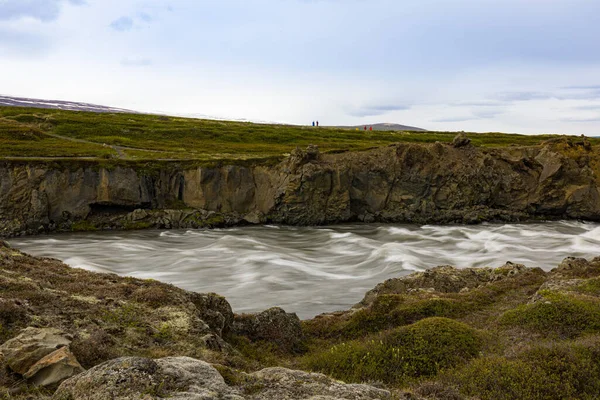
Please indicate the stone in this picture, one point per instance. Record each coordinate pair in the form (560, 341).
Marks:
(131, 378)
(32, 345)
(214, 310)
(185, 378)
(54, 368)
(254, 218)
(461, 140)
(285, 384)
(273, 325)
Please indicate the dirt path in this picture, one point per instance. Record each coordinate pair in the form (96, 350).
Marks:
(120, 150)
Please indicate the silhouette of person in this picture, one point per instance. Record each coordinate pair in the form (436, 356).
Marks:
(371, 128)
(313, 123)
(365, 127)
(317, 124)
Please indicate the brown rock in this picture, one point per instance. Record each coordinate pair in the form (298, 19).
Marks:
(273, 325)
(33, 344)
(54, 368)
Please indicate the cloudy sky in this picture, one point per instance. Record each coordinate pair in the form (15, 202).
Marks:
(529, 66)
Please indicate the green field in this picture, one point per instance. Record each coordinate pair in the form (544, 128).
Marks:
(45, 133)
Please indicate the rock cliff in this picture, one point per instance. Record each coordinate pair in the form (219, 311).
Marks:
(421, 183)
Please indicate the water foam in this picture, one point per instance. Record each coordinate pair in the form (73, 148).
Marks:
(311, 270)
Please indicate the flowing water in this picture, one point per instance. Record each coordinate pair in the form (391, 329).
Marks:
(311, 270)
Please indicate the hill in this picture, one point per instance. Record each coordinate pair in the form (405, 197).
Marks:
(386, 127)
(58, 104)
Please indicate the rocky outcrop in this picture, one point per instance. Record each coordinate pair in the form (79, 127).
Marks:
(187, 378)
(445, 279)
(432, 183)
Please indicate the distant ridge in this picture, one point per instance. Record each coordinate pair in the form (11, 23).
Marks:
(385, 127)
(59, 105)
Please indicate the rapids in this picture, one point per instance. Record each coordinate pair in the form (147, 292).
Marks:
(311, 270)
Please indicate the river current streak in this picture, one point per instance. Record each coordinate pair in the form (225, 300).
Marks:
(311, 270)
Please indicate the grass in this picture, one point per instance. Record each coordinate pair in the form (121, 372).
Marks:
(26, 132)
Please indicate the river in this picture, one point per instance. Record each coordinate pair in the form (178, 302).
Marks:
(311, 270)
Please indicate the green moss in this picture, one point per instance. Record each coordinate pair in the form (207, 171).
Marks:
(164, 333)
(126, 316)
(137, 225)
(556, 371)
(590, 286)
(83, 226)
(420, 349)
(390, 311)
(557, 314)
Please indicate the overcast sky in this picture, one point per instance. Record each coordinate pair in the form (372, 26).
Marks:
(528, 66)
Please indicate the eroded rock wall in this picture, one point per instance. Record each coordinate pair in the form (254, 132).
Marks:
(423, 183)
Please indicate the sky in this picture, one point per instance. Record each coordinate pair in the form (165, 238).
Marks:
(526, 66)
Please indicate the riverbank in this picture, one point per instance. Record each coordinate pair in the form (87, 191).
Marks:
(403, 183)
(511, 332)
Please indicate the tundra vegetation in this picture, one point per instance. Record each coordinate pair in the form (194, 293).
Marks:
(43, 133)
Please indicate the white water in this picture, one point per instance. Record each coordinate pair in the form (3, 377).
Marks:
(311, 270)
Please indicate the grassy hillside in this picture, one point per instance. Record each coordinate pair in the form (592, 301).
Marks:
(30, 132)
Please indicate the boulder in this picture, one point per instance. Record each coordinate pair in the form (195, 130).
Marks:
(461, 140)
(214, 310)
(285, 384)
(185, 378)
(131, 378)
(32, 345)
(54, 368)
(273, 325)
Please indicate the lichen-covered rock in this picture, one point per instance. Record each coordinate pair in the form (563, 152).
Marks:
(285, 384)
(185, 378)
(131, 378)
(273, 325)
(443, 279)
(33, 344)
(572, 267)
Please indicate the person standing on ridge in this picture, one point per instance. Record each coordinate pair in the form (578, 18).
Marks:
(313, 123)
(365, 127)
(371, 129)
(317, 124)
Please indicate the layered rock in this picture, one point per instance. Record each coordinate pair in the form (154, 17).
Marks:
(41, 356)
(401, 183)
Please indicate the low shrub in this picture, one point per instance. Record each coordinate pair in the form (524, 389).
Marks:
(546, 372)
(557, 314)
(421, 349)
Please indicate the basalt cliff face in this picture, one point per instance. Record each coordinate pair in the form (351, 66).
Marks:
(421, 183)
